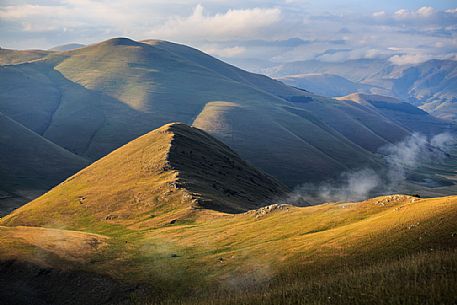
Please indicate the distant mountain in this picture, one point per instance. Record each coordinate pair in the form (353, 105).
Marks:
(403, 113)
(68, 47)
(327, 84)
(430, 85)
(95, 99)
(30, 164)
(354, 70)
(12, 57)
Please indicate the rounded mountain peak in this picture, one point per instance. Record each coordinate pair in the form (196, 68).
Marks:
(120, 41)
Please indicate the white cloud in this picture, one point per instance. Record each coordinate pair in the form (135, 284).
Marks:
(379, 14)
(234, 24)
(423, 12)
(222, 27)
(362, 53)
(76, 14)
(13, 12)
(402, 13)
(225, 52)
(408, 59)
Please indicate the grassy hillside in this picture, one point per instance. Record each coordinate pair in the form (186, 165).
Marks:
(326, 84)
(12, 57)
(354, 70)
(149, 224)
(403, 113)
(30, 164)
(433, 82)
(349, 252)
(92, 100)
(67, 47)
(429, 85)
(175, 169)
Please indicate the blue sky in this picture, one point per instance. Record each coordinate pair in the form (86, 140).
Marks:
(403, 31)
(372, 5)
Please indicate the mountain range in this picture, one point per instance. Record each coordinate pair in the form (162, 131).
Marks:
(148, 172)
(93, 99)
(429, 85)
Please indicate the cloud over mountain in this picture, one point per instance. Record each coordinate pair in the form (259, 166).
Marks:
(245, 23)
(405, 31)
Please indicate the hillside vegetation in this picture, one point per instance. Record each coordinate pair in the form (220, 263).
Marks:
(94, 99)
(30, 164)
(353, 252)
(149, 225)
(430, 85)
(403, 113)
(12, 57)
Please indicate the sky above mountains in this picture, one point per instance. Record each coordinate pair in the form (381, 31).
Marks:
(272, 30)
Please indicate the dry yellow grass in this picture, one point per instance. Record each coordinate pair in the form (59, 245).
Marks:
(146, 216)
(35, 244)
(230, 252)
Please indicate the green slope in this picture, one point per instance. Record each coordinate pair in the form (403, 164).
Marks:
(404, 114)
(97, 98)
(148, 218)
(30, 164)
(175, 169)
(12, 57)
(430, 85)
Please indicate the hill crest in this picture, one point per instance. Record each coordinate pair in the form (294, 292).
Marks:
(171, 172)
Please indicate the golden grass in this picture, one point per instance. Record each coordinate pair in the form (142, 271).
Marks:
(35, 244)
(289, 256)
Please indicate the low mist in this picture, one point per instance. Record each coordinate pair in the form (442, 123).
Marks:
(400, 159)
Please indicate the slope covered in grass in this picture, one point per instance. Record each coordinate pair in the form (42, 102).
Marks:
(176, 217)
(175, 169)
(94, 99)
(30, 164)
(325, 84)
(67, 47)
(12, 57)
(406, 115)
(352, 252)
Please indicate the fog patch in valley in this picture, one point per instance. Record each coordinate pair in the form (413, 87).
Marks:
(400, 159)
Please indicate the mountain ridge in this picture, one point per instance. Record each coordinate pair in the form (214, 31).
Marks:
(174, 169)
(95, 99)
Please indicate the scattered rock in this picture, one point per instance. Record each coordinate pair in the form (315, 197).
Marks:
(382, 201)
(174, 255)
(270, 208)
